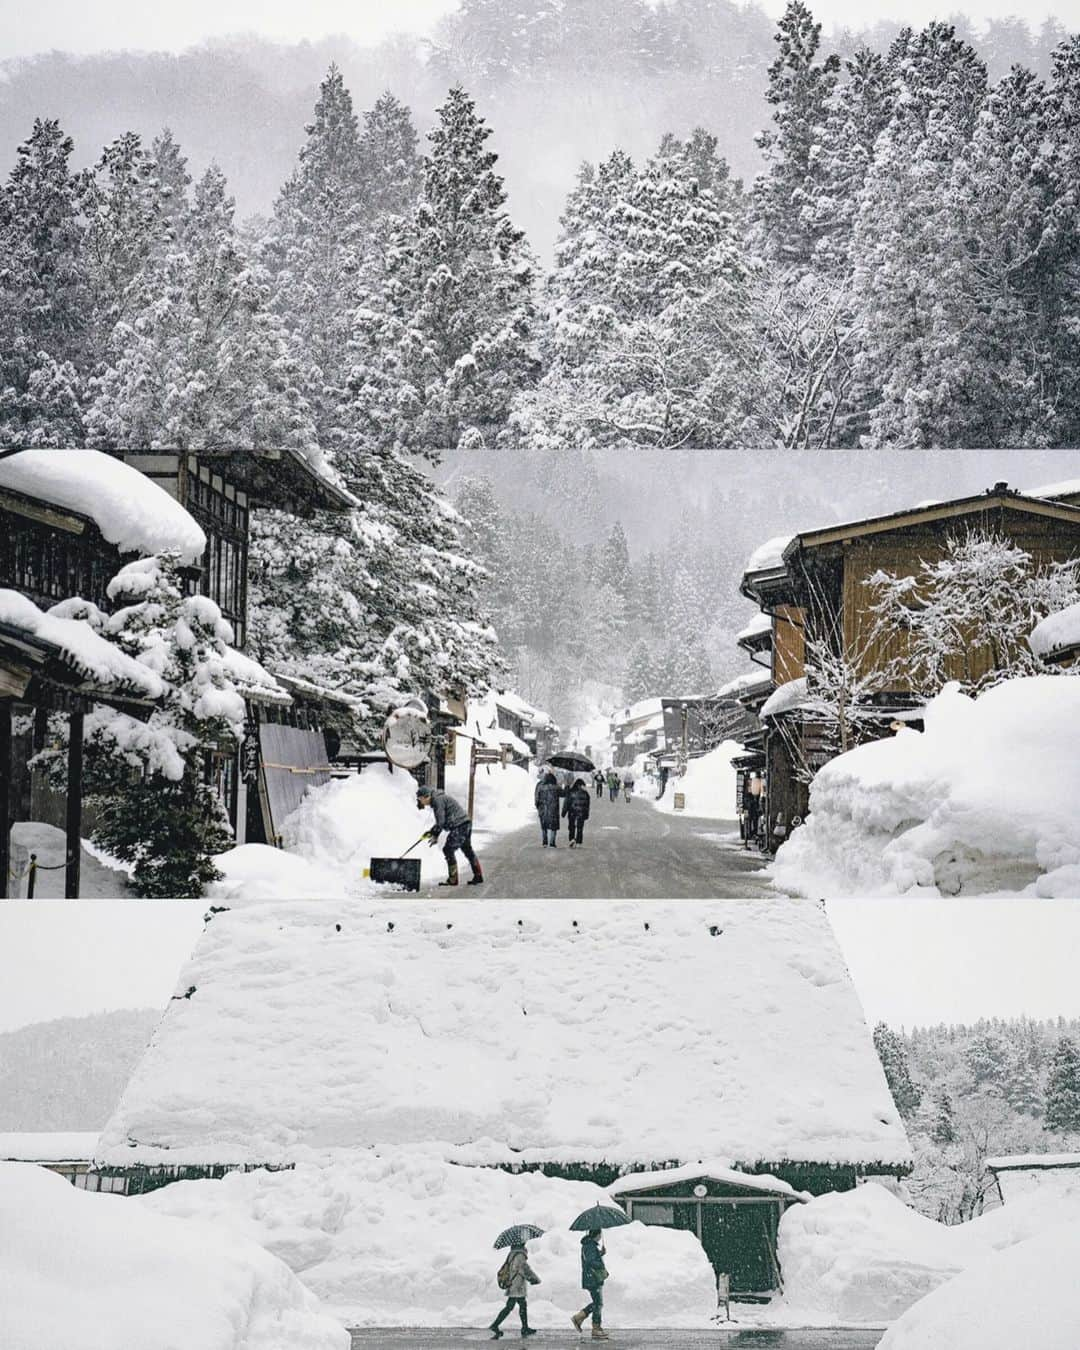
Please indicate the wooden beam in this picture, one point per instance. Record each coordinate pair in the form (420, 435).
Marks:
(74, 806)
(5, 796)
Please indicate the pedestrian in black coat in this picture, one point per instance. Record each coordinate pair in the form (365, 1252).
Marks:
(576, 807)
(598, 783)
(546, 797)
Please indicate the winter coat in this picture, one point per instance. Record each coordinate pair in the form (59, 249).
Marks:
(578, 803)
(546, 798)
(593, 1273)
(521, 1275)
(448, 811)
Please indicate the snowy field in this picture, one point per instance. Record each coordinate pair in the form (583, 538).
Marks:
(982, 802)
(82, 1271)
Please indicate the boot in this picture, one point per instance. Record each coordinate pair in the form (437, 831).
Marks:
(496, 1334)
(578, 1319)
(452, 878)
(528, 1331)
(477, 878)
(599, 1334)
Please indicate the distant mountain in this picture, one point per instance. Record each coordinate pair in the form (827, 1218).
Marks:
(69, 1074)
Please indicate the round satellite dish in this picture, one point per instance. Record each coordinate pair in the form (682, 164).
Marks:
(407, 736)
(700, 1191)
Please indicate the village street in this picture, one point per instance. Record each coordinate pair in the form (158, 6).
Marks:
(631, 851)
(827, 1338)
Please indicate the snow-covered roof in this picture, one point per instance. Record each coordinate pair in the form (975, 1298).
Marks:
(1015, 1162)
(1057, 634)
(769, 555)
(644, 709)
(646, 729)
(308, 689)
(77, 646)
(786, 698)
(553, 1030)
(129, 509)
(515, 704)
(743, 684)
(759, 624)
(252, 680)
(705, 1171)
(53, 1146)
(1069, 487)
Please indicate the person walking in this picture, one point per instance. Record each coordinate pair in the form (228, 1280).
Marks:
(546, 798)
(576, 807)
(593, 1275)
(613, 784)
(515, 1276)
(598, 782)
(628, 784)
(452, 817)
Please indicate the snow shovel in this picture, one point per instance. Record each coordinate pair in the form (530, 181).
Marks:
(401, 871)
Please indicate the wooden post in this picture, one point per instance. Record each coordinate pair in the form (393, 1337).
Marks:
(472, 777)
(74, 806)
(5, 796)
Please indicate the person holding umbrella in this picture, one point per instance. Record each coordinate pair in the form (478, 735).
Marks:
(546, 798)
(593, 1270)
(515, 1276)
(576, 807)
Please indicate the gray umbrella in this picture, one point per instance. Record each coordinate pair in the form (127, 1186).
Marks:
(600, 1216)
(572, 760)
(518, 1235)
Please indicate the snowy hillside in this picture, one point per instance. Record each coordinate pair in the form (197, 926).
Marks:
(543, 1031)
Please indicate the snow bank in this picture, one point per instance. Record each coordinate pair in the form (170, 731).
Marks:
(982, 801)
(863, 1256)
(503, 801)
(1027, 1295)
(708, 785)
(47, 1146)
(98, 1272)
(129, 509)
(406, 1240)
(546, 1031)
(86, 651)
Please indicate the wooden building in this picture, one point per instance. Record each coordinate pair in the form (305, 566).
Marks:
(815, 587)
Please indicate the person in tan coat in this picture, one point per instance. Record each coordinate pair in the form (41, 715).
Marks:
(519, 1276)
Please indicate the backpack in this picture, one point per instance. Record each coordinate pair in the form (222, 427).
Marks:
(505, 1274)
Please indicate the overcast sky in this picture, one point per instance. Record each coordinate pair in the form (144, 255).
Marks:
(913, 962)
(75, 25)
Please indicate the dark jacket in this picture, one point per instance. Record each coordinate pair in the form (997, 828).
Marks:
(592, 1263)
(578, 802)
(448, 811)
(546, 798)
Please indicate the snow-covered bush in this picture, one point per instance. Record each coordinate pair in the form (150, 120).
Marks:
(982, 800)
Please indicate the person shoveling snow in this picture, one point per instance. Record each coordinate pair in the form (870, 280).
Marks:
(452, 817)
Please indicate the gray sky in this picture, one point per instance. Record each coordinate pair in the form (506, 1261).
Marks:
(74, 25)
(913, 961)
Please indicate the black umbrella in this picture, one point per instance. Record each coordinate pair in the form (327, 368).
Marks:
(600, 1216)
(571, 760)
(518, 1235)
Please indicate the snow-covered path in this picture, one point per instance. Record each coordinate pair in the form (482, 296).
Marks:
(730, 1334)
(631, 852)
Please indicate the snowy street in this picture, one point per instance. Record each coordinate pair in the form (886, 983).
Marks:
(432, 1338)
(630, 852)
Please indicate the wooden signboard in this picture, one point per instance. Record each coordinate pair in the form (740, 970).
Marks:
(680, 801)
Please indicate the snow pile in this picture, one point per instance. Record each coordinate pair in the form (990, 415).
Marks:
(753, 681)
(983, 800)
(406, 1240)
(549, 1031)
(79, 646)
(97, 1272)
(129, 509)
(708, 785)
(757, 627)
(503, 796)
(785, 698)
(1057, 633)
(769, 556)
(1027, 1295)
(47, 1146)
(863, 1256)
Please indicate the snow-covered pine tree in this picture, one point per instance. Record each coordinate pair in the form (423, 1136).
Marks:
(442, 338)
(800, 90)
(44, 301)
(155, 804)
(943, 1129)
(911, 266)
(893, 1056)
(1062, 1111)
(640, 680)
(390, 166)
(314, 249)
(202, 361)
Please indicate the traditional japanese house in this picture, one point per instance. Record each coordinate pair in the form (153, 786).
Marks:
(721, 1038)
(815, 587)
(1019, 1175)
(66, 1153)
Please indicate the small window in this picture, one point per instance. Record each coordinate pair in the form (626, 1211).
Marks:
(648, 1211)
